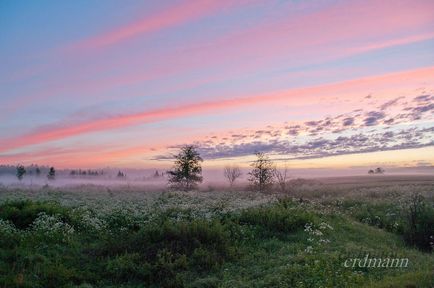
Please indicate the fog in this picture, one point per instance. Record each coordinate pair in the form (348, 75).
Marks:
(212, 177)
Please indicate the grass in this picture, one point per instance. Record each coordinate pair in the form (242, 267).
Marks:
(55, 238)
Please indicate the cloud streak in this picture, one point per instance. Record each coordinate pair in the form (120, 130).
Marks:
(310, 94)
(186, 11)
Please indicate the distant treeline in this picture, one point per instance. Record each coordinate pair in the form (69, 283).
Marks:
(30, 170)
(89, 172)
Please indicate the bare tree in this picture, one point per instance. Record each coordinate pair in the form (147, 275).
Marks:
(282, 178)
(262, 174)
(232, 173)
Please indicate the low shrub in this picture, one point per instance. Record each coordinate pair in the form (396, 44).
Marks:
(283, 217)
(419, 225)
(23, 213)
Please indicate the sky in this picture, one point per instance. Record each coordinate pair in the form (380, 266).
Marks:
(314, 84)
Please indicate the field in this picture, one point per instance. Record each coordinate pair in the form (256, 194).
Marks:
(141, 236)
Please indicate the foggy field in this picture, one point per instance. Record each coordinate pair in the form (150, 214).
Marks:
(144, 235)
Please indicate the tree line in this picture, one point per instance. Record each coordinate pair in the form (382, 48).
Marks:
(21, 171)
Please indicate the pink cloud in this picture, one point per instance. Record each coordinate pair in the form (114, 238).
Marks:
(347, 28)
(293, 97)
(184, 12)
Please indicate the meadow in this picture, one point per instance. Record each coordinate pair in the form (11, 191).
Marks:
(145, 236)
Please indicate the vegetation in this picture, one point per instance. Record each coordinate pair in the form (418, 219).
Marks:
(282, 179)
(187, 171)
(20, 172)
(263, 172)
(213, 239)
(232, 173)
(51, 174)
(121, 175)
(377, 170)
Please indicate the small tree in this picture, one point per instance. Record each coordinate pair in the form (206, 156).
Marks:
(51, 174)
(379, 170)
(20, 172)
(187, 171)
(282, 178)
(371, 171)
(38, 171)
(262, 174)
(232, 173)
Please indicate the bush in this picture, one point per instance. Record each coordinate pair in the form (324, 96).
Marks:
(22, 213)
(161, 251)
(283, 217)
(419, 230)
(382, 215)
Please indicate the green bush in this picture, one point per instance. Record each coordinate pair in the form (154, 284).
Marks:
(419, 226)
(22, 213)
(382, 215)
(283, 217)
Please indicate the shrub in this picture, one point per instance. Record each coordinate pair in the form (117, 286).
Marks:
(419, 230)
(24, 212)
(281, 217)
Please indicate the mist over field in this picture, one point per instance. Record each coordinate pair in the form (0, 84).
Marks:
(212, 177)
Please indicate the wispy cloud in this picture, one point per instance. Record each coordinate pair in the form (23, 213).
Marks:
(349, 133)
(184, 12)
(66, 129)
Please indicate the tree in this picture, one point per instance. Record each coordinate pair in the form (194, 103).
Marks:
(51, 173)
(38, 171)
(371, 171)
(20, 172)
(282, 178)
(232, 173)
(262, 174)
(187, 170)
(121, 174)
(379, 170)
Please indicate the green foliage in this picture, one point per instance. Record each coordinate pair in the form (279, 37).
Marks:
(283, 217)
(419, 228)
(44, 244)
(23, 213)
(413, 219)
(187, 171)
(383, 215)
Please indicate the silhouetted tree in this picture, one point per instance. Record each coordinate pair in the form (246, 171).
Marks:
(187, 171)
(38, 171)
(51, 174)
(262, 174)
(371, 171)
(232, 173)
(282, 179)
(121, 174)
(20, 172)
(379, 170)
